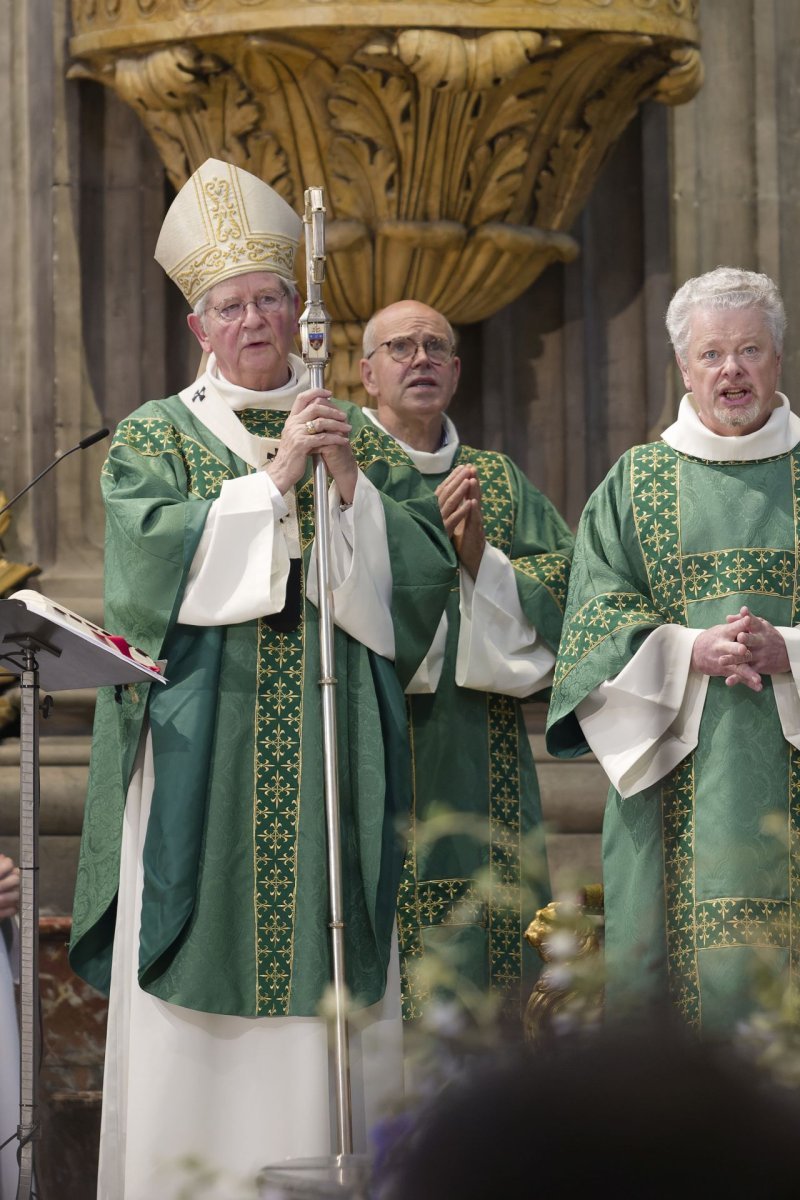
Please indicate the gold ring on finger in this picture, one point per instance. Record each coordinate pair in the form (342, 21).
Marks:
(311, 426)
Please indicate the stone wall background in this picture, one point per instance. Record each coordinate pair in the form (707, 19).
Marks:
(564, 379)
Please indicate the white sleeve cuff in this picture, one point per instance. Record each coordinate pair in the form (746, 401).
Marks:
(645, 721)
(360, 570)
(786, 687)
(427, 675)
(241, 564)
(279, 505)
(498, 648)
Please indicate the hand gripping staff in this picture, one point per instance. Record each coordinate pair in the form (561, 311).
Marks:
(314, 329)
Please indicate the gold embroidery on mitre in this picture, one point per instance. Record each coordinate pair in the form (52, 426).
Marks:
(226, 222)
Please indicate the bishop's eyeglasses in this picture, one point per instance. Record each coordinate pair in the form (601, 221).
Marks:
(403, 349)
(266, 303)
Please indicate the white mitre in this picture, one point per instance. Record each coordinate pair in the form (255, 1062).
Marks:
(225, 222)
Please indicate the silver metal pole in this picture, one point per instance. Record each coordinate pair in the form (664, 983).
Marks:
(314, 330)
(28, 1131)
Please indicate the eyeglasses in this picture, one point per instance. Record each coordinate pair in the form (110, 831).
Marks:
(234, 310)
(404, 349)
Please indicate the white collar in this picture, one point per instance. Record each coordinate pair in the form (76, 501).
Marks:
(778, 435)
(427, 462)
(214, 401)
(280, 399)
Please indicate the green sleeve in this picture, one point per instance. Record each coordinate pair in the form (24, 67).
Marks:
(541, 554)
(609, 608)
(153, 527)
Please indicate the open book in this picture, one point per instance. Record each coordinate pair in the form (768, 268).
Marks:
(104, 658)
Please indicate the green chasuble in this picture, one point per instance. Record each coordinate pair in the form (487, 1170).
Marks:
(700, 869)
(235, 899)
(472, 757)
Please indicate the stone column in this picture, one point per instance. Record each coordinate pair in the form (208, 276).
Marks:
(578, 369)
(86, 314)
(47, 406)
(736, 157)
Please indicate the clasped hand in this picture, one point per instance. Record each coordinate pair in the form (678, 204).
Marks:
(459, 497)
(314, 426)
(744, 649)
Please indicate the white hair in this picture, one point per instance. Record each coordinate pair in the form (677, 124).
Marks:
(725, 288)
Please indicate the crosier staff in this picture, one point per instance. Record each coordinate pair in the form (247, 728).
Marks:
(314, 329)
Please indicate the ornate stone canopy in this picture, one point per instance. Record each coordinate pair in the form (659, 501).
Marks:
(456, 141)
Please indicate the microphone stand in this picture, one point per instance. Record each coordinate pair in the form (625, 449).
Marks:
(24, 659)
(29, 1130)
(89, 440)
(41, 645)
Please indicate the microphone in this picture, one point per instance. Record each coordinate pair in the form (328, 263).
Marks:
(89, 440)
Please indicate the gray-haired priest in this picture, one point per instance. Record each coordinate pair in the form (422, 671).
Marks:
(202, 896)
(679, 666)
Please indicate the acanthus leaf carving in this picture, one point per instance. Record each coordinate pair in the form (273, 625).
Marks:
(512, 112)
(451, 158)
(217, 127)
(494, 172)
(360, 177)
(368, 110)
(468, 168)
(355, 111)
(292, 82)
(192, 104)
(172, 79)
(493, 178)
(448, 62)
(683, 80)
(268, 160)
(605, 82)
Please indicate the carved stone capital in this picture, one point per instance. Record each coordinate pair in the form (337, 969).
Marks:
(118, 24)
(454, 154)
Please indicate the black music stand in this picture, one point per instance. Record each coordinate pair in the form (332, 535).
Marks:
(74, 654)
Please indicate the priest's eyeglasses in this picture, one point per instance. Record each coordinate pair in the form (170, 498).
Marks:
(267, 303)
(403, 349)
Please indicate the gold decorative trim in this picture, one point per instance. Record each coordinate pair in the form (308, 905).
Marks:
(505, 874)
(153, 437)
(596, 621)
(655, 488)
(276, 812)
